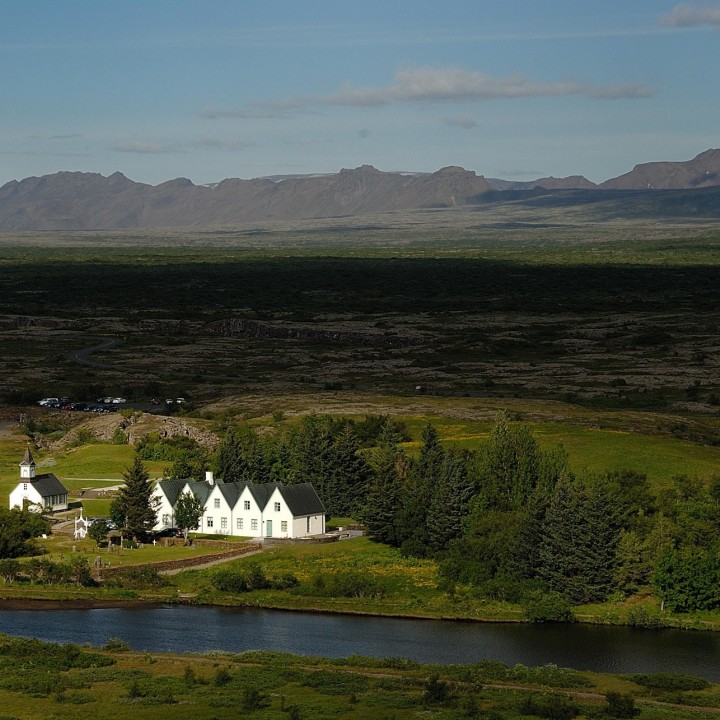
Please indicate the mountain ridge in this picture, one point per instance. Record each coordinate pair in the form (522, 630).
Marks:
(69, 200)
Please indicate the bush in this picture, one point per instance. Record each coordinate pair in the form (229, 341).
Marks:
(548, 606)
(136, 578)
(347, 583)
(119, 437)
(436, 691)
(641, 617)
(553, 707)
(117, 645)
(670, 681)
(620, 705)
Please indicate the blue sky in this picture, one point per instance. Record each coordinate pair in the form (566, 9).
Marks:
(209, 89)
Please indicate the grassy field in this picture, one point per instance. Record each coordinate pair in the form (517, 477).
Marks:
(41, 680)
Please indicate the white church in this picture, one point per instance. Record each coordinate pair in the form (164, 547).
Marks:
(39, 493)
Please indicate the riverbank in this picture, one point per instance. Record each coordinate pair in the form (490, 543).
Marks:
(377, 581)
(116, 681)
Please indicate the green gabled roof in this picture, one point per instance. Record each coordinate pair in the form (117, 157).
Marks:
(172, 489)
(302, 499)
(262, 493)
(231, 491)
(200, 489)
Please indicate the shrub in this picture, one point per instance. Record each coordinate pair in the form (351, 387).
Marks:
(253, 699)
(119, 437)
(548, 606)
(641, 617)
(670, 681)
(620, 705)
(436, 691)
(230, 581)
(117, 645)
(347, 583)
(136, 578)
(553, 707)
(222, 677)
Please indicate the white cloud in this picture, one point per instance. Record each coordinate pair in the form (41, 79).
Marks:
(689, 15)
(434, 85)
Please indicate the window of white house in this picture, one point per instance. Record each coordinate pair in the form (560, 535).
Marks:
(166, 520)
(239, 523)
(277, 507)
(217, 502)
(246, 504)
(223, 523)
(24, 486)
(283, 526)
(209, 522)
(253, 524)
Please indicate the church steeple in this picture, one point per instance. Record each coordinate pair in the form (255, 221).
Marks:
(27, 466)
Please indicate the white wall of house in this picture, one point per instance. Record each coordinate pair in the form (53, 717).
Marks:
(165, 513)
(277, 518)
(247, 516)
(25, 491)
(308, 525)
(217, 518)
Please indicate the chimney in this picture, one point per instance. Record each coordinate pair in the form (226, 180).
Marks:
(209, 479)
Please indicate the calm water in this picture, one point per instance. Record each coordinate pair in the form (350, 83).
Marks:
(189, 629)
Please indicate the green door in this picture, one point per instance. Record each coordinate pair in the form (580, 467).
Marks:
(268, 528)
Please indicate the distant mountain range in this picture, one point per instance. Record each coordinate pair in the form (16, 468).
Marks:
(89, 201)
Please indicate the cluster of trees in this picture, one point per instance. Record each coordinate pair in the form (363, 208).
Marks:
(320, 449)
(513, 519)
(18, 528)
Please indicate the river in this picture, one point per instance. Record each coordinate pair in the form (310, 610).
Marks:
(181, 629)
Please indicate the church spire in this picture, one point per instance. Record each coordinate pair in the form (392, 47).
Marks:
(27, 466)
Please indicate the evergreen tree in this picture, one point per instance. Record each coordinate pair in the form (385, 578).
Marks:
(510, 465)
(134, 507)
(240, 457)
(450, 503)
(379, 513)
(418, 494)
(634, 564)
(577, 554)
(348, 475)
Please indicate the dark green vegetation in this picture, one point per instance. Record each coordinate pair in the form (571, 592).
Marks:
(42, 680)
(614, 317)
(18, 528)
(510, 520)
(133, 510)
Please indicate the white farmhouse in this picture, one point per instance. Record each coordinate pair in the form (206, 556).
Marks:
(242, 509)
(38, 492)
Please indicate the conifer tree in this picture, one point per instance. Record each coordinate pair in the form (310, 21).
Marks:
(379, 513)
(134, 507)
(450, 503)
(510, 465)
(578, 550)
(418, 494)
